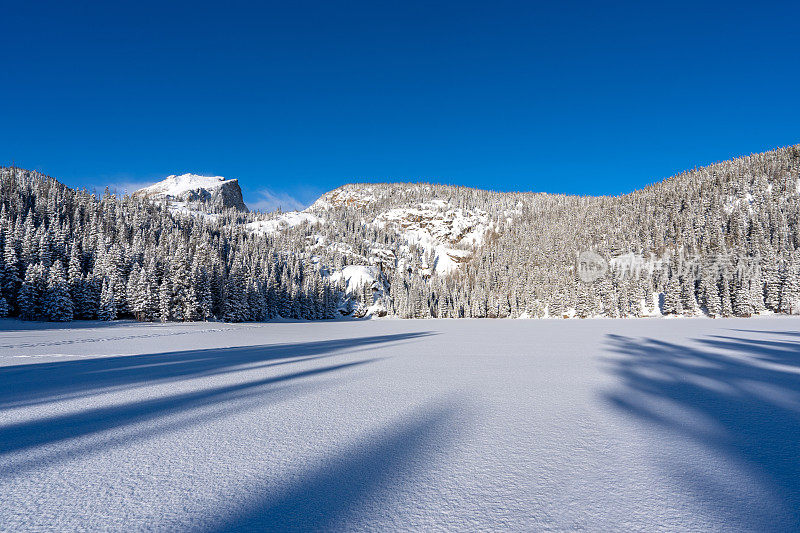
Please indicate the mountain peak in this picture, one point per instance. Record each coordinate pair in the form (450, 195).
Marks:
(193, 188)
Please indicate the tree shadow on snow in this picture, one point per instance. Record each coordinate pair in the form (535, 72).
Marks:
(15, 324)
(738, 398)
(48, 382)
(355, 483)
(30, 384)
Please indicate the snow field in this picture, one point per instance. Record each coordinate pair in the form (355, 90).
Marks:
(467, 425)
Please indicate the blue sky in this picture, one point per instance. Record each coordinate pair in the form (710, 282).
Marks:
(296, 98)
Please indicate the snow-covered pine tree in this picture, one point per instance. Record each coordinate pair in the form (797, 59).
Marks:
(672, 298)
(742, 305)
(688, 295)
(108, 302)
(57, 302)
(10, 280)
(29, 296)
(725, 295)
(710, 291)
(790, 288)
(235, 297)
(165, 303)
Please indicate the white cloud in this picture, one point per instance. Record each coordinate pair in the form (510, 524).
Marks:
(268, 201)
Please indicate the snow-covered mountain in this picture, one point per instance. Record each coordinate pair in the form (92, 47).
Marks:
(446, 233)
(192, 189)
(720, 240)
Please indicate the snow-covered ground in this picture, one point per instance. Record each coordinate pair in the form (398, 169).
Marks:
(385, 425)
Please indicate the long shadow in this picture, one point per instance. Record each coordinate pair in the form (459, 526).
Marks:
(354, 482)
(24, 435)
(730, 397)
(30, 384)
(15, 324)
(781, 352)
(143, 419)
(792, 333)
(25, 385)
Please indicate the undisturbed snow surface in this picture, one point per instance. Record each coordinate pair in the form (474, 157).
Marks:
(389, 425)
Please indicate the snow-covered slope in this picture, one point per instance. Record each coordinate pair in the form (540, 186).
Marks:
(444, 234)
(283, 221)
(352, 196)
(215, 191)
(448, 233)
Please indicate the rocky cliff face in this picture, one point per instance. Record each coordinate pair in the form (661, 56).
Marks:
(211, 191)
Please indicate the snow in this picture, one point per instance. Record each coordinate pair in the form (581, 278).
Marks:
(448, 233)
(354, 196)
(355, 276)
(176, 185)
(283, 221)
(386, 425)
(438, 230)
(184, 209)
(733, 203)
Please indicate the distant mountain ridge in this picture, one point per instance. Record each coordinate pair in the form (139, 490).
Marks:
(721, 240)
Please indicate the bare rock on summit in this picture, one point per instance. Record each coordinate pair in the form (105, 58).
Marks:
(213, 191)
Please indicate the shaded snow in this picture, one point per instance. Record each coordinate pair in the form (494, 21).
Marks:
(467, 425)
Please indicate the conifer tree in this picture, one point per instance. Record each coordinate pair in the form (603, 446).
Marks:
(57, 302)
(165, 305)
(725, 296)
(29, 296)
(108, 302)
(672, 298)
(790, 289)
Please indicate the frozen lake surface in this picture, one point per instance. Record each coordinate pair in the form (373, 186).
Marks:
(598, 425)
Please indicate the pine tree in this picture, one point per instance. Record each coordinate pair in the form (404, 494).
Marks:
(688, 298)
(29, 296)
(725, 296)
(205, 301)
(672, 298)
(583, 307)
(108, 303)
(742, 305)
(57, 302)
(790, 289)
(772, 281)
(10, 280)
(165, 304)
(235, 297)
(711, 297)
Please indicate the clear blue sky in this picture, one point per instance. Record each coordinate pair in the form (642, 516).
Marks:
(295, 98)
